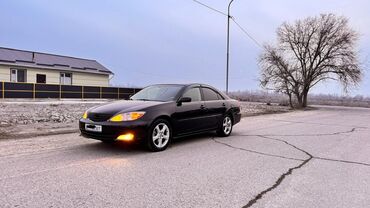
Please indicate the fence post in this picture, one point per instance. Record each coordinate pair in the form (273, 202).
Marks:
(100, 92)
(33, 91)
(60, 92)
(3, 92)
(118, 93)
(82, 94)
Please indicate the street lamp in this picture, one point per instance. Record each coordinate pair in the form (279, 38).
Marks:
(228, 46)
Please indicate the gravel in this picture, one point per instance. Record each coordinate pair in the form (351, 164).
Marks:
(253, 108)
(40, 118)
(18, 114)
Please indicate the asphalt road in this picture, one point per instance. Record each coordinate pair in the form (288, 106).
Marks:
(318, 158)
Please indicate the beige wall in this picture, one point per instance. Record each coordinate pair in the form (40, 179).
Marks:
(4, 73)
(90, 79)
(53, 76)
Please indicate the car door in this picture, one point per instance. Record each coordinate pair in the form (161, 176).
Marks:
(189, 116)
(215, 107)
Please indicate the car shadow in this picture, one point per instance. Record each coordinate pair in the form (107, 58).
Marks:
(112, 148)
(136, 148)
(193, 139)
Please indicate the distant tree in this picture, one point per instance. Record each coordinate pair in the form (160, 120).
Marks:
(310, 51)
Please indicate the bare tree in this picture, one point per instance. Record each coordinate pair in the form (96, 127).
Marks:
(308, 52)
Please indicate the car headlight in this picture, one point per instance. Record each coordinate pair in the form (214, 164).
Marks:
(84, 116)
(130, 116)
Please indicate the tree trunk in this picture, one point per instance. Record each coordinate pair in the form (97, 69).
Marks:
(305, 97)
(290, 100)
(300, 100)
(304, 102)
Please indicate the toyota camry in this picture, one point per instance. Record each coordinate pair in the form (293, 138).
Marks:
(159, 113)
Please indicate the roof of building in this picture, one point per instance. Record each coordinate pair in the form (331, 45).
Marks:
(24, 58)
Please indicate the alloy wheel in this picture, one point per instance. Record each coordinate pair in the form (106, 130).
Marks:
(161, 135)
(227, 125)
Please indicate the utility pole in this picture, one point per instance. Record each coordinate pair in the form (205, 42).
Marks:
(228, 46)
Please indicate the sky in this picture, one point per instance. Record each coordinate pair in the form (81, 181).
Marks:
(171, 41)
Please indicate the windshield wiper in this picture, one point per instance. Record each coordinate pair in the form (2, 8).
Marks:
(142, 99)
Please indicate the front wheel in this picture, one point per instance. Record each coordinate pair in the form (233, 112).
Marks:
(159, 135)
(226, 126)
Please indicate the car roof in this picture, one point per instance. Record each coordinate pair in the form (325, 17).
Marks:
(197, 85)
(188, 85)
(202, 85)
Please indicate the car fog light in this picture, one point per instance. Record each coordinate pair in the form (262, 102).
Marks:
(126, 137)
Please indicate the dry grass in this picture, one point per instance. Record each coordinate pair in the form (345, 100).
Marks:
(313, 99)
(256, 108)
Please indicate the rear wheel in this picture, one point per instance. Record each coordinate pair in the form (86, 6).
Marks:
(226, 126)
(159, 135)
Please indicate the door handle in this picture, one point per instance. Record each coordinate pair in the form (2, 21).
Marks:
(202, 107)
(223, 104)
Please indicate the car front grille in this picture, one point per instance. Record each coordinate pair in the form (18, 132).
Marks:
(99, 117)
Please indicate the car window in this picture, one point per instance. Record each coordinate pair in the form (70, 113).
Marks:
(220, 96)
(194, 94)
(210, 94)
(158, 93)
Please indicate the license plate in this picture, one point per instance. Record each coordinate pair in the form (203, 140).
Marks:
(93, 127)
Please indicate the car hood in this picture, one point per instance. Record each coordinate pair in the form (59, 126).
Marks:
(123, 106)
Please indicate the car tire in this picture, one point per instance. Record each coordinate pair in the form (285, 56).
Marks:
(226, 126)
(159, 135)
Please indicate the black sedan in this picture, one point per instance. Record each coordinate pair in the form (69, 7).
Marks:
(159, 113)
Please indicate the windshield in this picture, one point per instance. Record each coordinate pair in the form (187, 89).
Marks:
(158, 93)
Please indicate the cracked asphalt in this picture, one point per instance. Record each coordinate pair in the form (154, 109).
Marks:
(318, 158)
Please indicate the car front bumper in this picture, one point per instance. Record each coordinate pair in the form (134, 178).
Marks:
(110, 130)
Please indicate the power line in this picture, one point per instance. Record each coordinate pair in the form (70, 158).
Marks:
(246, 33)
(211, 8)
(233, 19)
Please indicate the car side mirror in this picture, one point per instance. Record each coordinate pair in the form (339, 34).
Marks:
(184, 100)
